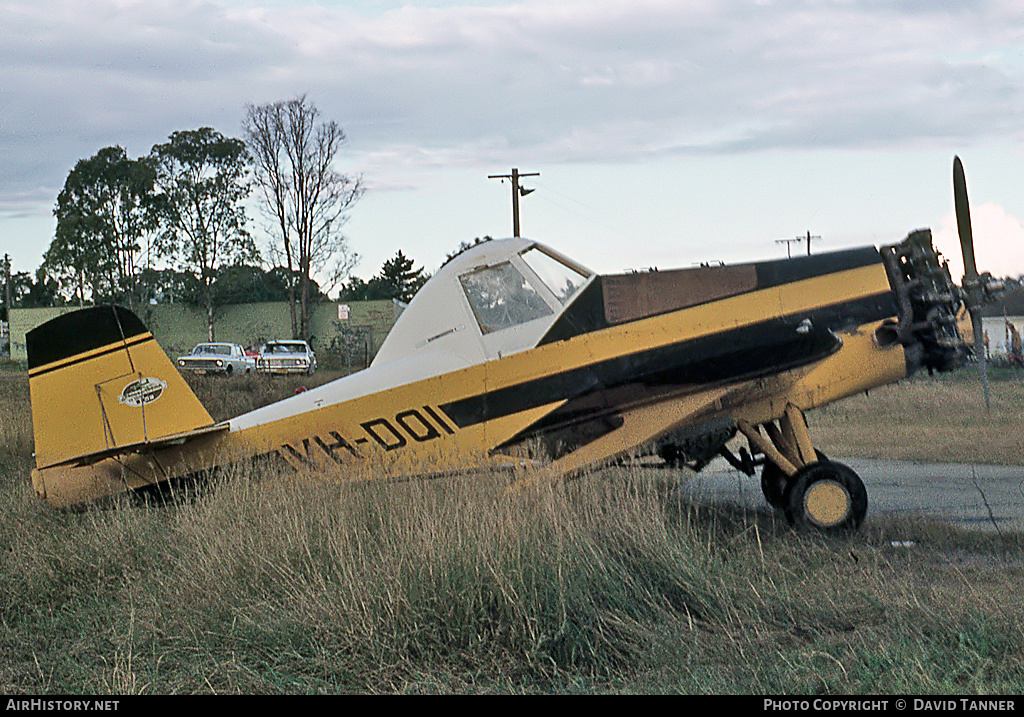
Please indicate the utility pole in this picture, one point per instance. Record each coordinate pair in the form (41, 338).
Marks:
(789, 242)
(7, 286)
(517, 191)
(789, 245)
(809, 237)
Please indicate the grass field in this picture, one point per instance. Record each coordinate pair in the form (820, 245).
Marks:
(608, 584)
(929, 419)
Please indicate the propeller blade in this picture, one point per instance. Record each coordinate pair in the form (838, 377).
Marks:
(963, 218)
(963, 226)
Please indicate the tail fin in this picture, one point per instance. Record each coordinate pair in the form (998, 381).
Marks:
(99, 382)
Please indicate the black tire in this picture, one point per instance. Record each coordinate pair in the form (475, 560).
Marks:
(228, 370)
(670, 453)
(826, 496)
(773, 483)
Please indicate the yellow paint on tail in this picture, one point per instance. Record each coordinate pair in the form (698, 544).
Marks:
(117, 395)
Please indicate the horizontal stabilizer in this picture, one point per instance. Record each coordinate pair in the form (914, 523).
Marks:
(176, 439)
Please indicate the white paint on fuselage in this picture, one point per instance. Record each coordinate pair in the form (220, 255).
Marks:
(436, 334)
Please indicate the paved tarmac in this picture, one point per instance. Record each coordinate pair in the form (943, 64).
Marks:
(971, 496)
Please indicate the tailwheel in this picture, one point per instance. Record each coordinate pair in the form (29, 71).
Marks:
(826, 496)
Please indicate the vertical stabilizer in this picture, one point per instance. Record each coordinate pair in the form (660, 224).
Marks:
(99, 382)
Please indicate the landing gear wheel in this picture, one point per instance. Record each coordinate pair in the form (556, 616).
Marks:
(826, 496)
(673, 457)
(773, 483)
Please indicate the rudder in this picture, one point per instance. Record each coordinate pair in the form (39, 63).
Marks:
(99, 381)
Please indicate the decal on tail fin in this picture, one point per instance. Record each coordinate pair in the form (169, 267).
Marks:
(100, 383)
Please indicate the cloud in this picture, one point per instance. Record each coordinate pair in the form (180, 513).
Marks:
(421, 85)
(80, 76)
(534, 73)
(998, 242)
(650, 78)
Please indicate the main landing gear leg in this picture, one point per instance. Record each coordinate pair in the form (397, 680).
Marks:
(801, 482)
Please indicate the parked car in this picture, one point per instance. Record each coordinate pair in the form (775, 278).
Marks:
(287, 356)
(217, 358)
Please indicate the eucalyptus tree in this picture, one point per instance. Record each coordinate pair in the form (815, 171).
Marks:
(27, 293)
(202, 181)
(103, 214)
(305, 197)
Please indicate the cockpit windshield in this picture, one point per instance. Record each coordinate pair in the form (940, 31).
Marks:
(562, 279)
(501, 297)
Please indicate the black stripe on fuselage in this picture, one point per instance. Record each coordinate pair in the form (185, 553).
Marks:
(79, 332)
(586, 313)
(787, 271)
(751, 351)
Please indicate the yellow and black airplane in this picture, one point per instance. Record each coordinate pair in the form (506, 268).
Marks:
(513, 349)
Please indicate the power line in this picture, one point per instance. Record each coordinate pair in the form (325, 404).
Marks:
(517, 191)
(789, 243)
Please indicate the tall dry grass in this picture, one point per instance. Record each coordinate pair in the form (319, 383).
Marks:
(15, 413)
(928, 419)
(290, 584)
(609, 583)
(283, 583)
(229, 396)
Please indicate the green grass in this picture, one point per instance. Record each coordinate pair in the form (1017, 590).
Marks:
(275, 583)
(928, 419)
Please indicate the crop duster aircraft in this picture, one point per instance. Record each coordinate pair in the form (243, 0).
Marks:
(511, 349)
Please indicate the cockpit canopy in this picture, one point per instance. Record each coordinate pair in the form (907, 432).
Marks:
(495, 298)
(502, 296)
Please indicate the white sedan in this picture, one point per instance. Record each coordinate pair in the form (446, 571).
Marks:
(217, 358)
(287, 356)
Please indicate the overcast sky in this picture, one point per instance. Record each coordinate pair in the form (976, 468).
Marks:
(665, 132)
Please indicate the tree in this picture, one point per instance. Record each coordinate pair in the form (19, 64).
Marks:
(76, 253)
(283, 282)
(355, 289)
(241, 284)
(103, 213)
(306, 198)
(203, 178)
(27, 293)
(397, 280)
(463, 246)
(167, 286)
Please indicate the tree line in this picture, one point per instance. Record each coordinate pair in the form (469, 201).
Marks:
(173, 226)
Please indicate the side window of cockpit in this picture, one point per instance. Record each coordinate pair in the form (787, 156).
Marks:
(501, 297)
(563, 280)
